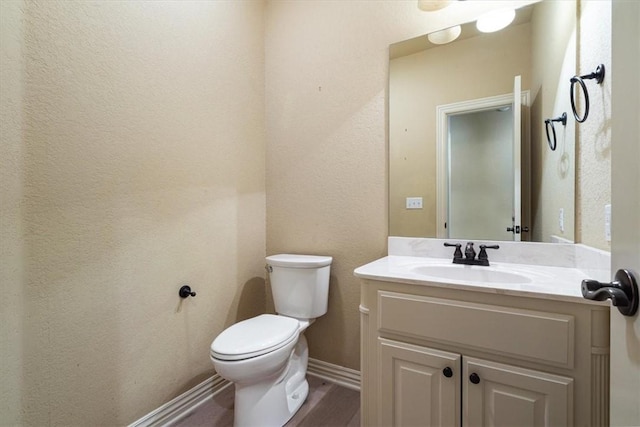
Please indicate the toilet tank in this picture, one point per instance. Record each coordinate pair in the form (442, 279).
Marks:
(299, 284)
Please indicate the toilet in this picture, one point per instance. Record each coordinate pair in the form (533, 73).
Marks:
(266, 356)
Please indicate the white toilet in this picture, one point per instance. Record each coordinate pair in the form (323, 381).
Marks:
(266, 356)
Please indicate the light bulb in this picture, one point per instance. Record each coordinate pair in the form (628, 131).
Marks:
(432, 5)
(445, 36)
(495, 20)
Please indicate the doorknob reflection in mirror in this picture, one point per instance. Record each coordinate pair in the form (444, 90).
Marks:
(517, 230)
(623, 292)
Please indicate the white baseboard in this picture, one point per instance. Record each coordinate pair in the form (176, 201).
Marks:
(346, 377)
(179, 407)
(182, 405)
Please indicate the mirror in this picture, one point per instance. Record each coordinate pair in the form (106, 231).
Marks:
(434, 86)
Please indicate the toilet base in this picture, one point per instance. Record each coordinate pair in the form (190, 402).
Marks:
(273, 401)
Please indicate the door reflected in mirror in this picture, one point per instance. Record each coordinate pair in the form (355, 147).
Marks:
(480, 175)
(425, 79)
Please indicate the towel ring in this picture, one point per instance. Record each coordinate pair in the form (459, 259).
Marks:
(598, 74)
(547, 122)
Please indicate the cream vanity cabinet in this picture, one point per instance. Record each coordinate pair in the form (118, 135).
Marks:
(435, 356)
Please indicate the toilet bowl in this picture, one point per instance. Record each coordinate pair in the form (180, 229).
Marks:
(266, 356)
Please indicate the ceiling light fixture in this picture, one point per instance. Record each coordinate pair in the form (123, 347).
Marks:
(433, 5)
(445, 36)
(495, 20)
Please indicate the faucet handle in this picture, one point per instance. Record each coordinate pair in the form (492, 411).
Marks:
(489, 247)
(483, 251)
(458, 252)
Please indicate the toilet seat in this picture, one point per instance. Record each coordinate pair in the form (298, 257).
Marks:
(255, 337)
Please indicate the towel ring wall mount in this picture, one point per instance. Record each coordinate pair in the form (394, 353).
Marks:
(549, 122)
(598, 74)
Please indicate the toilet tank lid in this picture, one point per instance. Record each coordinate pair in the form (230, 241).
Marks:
(298, 261)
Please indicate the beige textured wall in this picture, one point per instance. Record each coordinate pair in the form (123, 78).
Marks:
(468, 69)
(143, 156)
(326, 77)
(593, 184)
(12, 257)
(552, 172)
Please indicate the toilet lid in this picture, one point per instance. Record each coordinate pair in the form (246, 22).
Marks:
(298, 261)
(254, 337)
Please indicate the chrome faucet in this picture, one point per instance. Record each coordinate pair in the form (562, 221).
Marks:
(470, 254)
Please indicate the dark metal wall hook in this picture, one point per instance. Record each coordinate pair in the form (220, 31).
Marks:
(547, 122)
(186, 292)
(598, 74)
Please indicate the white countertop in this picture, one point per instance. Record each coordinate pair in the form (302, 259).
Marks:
(546, 282)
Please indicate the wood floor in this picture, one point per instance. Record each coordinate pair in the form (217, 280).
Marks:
(328, 405)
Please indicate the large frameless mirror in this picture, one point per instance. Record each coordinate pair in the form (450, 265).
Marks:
(468, 156)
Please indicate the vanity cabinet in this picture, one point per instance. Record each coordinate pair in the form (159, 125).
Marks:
(433, 356)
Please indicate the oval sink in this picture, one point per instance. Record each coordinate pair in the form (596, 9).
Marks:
(469, 273)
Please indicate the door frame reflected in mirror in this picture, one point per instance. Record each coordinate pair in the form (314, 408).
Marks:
(444, 112)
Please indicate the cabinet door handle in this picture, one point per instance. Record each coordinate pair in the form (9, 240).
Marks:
(474, 378)
(447, 372)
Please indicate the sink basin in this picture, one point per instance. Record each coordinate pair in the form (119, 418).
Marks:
(468, 273)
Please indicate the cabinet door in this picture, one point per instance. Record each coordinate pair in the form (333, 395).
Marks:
(505, 396)
(419, 386)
